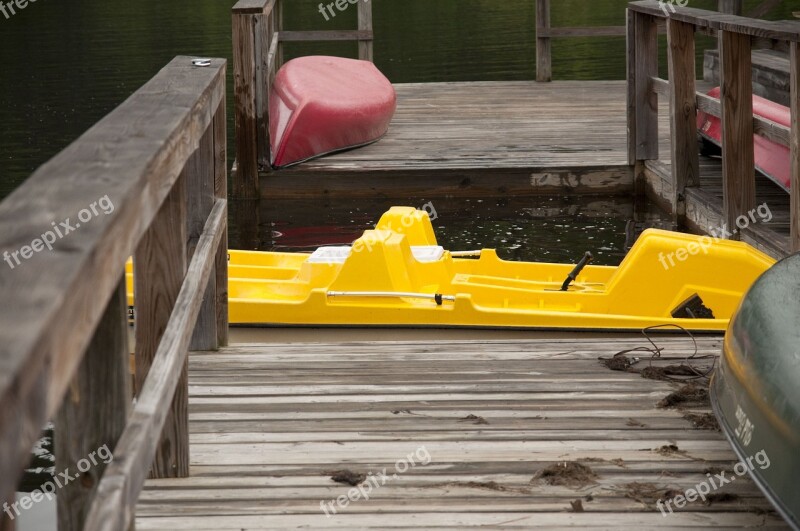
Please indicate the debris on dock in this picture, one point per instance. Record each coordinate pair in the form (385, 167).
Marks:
(567, 474)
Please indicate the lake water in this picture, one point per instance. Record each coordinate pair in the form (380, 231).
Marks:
(64, 65)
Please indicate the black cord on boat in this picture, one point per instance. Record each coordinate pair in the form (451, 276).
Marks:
(683, 372)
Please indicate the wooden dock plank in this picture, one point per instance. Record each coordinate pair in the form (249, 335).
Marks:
(269, 422)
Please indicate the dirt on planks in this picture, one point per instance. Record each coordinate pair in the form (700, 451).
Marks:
(648, 493)
(689, 395)
(347, 477)
(703, 421)
(567, 474)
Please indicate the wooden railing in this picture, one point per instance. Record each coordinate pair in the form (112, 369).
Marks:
(735, 35)
(157, 164)
(545, 32)
(258, 35)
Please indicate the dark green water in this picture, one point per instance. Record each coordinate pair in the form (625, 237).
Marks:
(63, 65)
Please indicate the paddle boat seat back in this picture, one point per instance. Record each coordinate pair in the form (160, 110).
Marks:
(383, 260)
(415, 224)
(658, 265)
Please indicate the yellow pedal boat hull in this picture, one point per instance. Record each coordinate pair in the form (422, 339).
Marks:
(392, 276)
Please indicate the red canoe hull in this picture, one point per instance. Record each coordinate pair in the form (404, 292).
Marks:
(772, 159)
(320, 105)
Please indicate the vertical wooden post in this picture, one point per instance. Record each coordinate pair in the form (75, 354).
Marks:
(645, 68)
(277, 14)
(263, 39)
(630, 71)
(730, 7)
(544, 66)
(200, 186)
(94, 412)
(683, 112)
(738, 160)
(245, 184)
(365, 48)
(794, 145)
(159, 267)
(221, 192)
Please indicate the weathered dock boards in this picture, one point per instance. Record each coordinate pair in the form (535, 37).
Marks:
(518, 137)
(269, 422)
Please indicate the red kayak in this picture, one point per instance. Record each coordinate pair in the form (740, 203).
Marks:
(320, 105)
(772, 159)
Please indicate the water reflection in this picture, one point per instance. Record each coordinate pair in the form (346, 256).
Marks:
(549, 229)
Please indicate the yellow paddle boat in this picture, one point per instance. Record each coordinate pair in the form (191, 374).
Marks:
(397, 276)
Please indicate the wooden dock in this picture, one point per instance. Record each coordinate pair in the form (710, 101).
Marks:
(269, 423)
(481, 138)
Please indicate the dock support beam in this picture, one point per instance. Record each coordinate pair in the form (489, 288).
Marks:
(738, 159)
(644, 57)
(245, 183)
(544, 67)
(365, 48)
(683, 113)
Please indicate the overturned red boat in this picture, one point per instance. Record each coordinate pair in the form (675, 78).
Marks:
(772, 159)
(320, 105)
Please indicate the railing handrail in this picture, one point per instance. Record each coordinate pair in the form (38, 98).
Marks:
(701, 18)
(735, 107)
(258, 38)
(53, 302)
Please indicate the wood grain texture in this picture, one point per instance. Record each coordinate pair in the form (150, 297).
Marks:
(245, 179)
(159, 266)
(544, 67)
(478, 138)
(738, 158)
(683, 112)
(794, 146)
(53, 302)
(365, 44)
(264, 63)
(630, 81)
(731, 7)
(114, 504)
(94, 411)
(221, 192)
(270, 421)
(646, 67)
(200, 170)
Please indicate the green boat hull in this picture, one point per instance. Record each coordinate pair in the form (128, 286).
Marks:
(756, 389)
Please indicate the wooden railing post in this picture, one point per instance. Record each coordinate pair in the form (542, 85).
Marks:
(277, 15)
(730, 7)
(245, 183)
(683, 112)
(221, 192)
(200, 170)
(630, 76)
(794, 145)
(94, 412)
(365, 48)
(544, 66)
(159, 267)
(738, 160)
(645, 59)
(263, 28)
